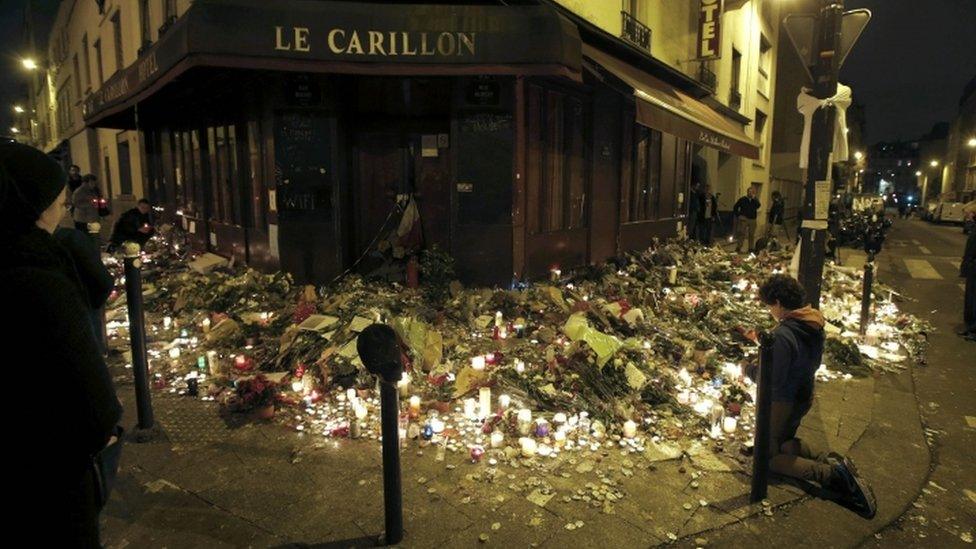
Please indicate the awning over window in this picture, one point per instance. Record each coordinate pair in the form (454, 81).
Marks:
(346, 37)
(662, 107)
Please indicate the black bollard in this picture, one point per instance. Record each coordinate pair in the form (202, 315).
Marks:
(380, 351)
(866, 293)
(764, 390)
(137, 335)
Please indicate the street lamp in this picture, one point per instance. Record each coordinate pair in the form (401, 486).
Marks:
(13, 129)
(18, 109)
(934, 163)
(29, 63)
(972, 142)
(858, 155)
(918, 173)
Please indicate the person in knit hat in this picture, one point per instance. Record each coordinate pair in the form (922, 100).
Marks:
(67, 409)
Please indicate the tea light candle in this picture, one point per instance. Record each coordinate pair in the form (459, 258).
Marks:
(297, 385)
(528, 446)
(559, 439)
(414, 406)
(524, 421)
(729, 424)
(469, 408)
(504, 401)
(497, 439)
(484, 401)
(478, 362)
(630, 429)
(174, 353)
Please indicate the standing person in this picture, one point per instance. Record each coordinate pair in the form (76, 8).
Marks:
(74, 178)
(694, 204)
(56, 479)
(95, 278)
(134, 225)
(797, 352)
(707, 214)
(774, 219)
(744, 213)
(84, 203)
(967, 269)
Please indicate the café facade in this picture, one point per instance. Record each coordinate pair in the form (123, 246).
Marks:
(285, 134)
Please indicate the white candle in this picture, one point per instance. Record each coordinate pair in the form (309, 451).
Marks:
(499, 319)
(415, 405)
(559, 419)
(167, 322)
(504, 401)
(729, 424)
(436, 425)
(497, 439)
(174, 352)
(469, 408)
(403, 385)
(484, 400)
(544, 450)
(297, 385)
(351, 395)
(559, 439)
(478, 362)
(528, 446)
(630, 429)
(502, 332)
(212, 362)
(524, 421)
(206, 325)
(519, 366)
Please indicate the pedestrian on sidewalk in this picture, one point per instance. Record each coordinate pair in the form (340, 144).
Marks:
(694, 205)
(967, 269)
(69, 406)
(797, 352)
(95, 278)
(707, 214)
(85, 203)
(774, 219)
(74, 178)
(744, 213)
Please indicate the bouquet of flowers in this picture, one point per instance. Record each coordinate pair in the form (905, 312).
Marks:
(256, 392)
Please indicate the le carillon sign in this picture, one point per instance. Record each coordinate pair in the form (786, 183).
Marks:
(347, 37)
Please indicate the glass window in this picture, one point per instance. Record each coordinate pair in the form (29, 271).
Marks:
(642, 194)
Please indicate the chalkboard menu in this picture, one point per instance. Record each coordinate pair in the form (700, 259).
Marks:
(484, 184)
(303, 150)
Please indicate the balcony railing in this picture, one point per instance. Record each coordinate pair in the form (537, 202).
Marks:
(735, 99)
(707, 77)
(635, 32)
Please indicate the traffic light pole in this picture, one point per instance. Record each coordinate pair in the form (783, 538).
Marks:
(813, 234)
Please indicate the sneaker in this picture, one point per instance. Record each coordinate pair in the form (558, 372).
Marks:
(856, 494)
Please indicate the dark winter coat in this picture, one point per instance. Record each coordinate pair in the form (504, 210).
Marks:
(95, 278)
(59, 387)
(702, 202)
(797, 352)
(127, 227)
(968, 266)
(776, 211)
(746, 207)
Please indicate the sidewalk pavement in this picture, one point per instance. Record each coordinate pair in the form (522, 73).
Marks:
(213, 482)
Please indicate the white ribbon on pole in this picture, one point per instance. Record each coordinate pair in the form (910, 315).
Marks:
(807, 104)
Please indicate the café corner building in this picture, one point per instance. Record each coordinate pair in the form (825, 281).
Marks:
(285, 133)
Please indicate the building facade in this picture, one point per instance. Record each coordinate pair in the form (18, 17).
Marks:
(528, 135)
(959, 163)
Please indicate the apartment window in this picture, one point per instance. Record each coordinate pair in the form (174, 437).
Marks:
(87, 57)
(642, 194)
(65, 107)
(144, 22)
(77, 76)
(555, 171)
(735, 97)
(117, 37)
(760, 132)
(97, 46)
(765, 56)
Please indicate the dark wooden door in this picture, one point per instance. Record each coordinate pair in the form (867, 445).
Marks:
(380, 177)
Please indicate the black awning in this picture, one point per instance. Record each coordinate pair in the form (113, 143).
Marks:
(346, 37)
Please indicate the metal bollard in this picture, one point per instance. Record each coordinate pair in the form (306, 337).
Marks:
(379, 350)
(137, 335)
(866, 293)
(764, 390)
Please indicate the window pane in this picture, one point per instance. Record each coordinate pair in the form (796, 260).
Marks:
(535, 144)
(641, 138)
(575, 188)
(554, 178)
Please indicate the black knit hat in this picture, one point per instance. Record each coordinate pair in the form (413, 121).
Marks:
(30, 182)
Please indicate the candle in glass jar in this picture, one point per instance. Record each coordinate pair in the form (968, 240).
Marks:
(524, 421)
(484, 401)
(504, 401)
(499, 319)
(630, 429)
(174, 353)
(519, 366)
(414, 406)
(297, 385)
(167, 322)
(478, 362)
(403, 385)
(528, 446)
(559, 439)
(206, 325)
(469, 408)
(729, 424)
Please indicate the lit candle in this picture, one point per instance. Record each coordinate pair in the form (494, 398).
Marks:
(404, 385)
(484, 400)
(559, 419)
(174, 352)
(497, 439)
(524, 421)
(630, 429)
(520, 366)
(502, 332)
(212, 362)
(528, 446)
(559, 439)
(351, 395)
(504, 401)
(499, 319)
(544, 450)
(167, 322)
(297, 385)
(478, 362)
(469, 408)
(555, 273)
(414, 406)
(729, 424)
(436, 425)
(206, 325)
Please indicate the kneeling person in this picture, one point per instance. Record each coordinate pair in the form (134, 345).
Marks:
(134, 225)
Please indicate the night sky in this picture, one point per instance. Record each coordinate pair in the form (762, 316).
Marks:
(908, 68)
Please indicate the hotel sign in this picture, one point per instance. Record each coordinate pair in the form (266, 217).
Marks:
(709, 29)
